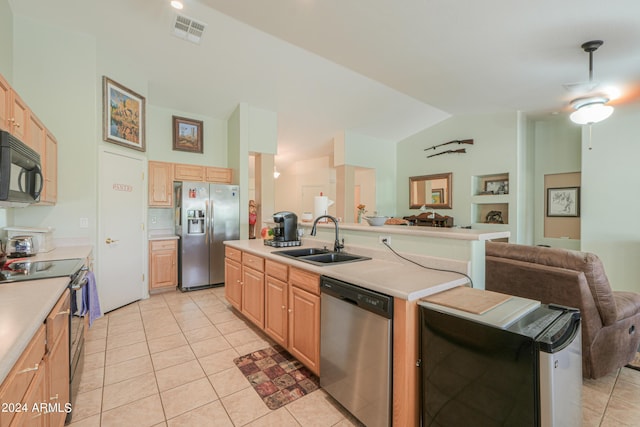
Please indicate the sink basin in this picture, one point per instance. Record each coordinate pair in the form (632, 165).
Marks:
(296, 253)
(320, 256)
(334, 257)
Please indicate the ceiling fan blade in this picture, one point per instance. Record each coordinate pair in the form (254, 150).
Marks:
(581, 87)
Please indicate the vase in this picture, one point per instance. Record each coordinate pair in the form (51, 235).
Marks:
(359, 217)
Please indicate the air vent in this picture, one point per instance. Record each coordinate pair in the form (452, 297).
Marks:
(188, 29)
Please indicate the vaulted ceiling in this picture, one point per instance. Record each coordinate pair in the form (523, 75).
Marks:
(386, 69)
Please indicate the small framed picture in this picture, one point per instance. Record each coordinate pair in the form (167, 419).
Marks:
(187, 134)
(497, 186)
(563, 201)
(123, 113)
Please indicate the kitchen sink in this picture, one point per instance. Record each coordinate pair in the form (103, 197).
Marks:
(320, 256)
(296, 253)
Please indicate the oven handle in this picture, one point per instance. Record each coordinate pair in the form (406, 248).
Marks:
(81, 279)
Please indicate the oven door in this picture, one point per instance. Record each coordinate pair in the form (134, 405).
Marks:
(76, 338)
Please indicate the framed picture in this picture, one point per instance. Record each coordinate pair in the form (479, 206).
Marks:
(187, 134)
(497, 186)
(123, 113)
(437, 195)
(563, 201)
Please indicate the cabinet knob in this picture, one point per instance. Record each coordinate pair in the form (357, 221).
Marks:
(283, 307)
(35, 368)
(63, 312)
(290, 311)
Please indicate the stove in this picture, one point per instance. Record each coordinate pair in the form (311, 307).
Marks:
(15, 270)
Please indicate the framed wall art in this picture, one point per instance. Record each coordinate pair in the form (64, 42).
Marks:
(123, 113)
(563, 201)
(187, 134)
(496, 186)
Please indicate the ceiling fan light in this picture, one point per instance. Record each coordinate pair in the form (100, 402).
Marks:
(589, 113)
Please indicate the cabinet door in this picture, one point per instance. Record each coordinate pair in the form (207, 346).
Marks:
(253, 295)
(5, 104)
(222, 175)
(183, 172)
(304, 327)
(57, 363)
(160, 184)
(19, 119)
(276, 310)
(36, 135)
(163, 267)
(49, 193)
(233, 283)
(36, 401)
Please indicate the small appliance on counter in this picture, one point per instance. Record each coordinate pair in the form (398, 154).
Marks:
(285, 232)
(38, 240)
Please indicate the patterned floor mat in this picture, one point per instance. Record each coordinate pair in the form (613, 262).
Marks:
(276, 376)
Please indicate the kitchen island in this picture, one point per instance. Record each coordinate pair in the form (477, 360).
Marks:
(388, 274)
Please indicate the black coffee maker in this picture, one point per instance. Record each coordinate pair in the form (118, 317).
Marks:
(286, 229)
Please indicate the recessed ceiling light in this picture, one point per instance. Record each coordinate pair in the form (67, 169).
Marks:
(177, 4)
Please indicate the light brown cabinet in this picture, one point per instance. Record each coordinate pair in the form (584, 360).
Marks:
(38, 384)
(5, 104)
(233, 277)
(163, 267)
(284, 301)
(182, 172)
(49, 194)
(276, 302)
(221, 175)
(160, 184)
(304, 318)
(253, 288)
(19, 119)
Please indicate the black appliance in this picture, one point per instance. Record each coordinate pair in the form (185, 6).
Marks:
(518, 364)
(20, 172)
(285, 232)
(17, 270)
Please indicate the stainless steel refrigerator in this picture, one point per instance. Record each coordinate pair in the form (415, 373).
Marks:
(206, 215)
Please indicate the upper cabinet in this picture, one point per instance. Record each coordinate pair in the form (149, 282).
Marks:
(221, 175)
(160, 184)
(17, 119)
(183, 172)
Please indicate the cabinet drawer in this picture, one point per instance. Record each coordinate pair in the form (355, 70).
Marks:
(252, 261)
(160, 245)
(58, 319)
(305, 280)
(233, 253)
(17, 382)
(277, 270)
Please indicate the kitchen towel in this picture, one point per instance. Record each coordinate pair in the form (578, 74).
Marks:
(90, 302)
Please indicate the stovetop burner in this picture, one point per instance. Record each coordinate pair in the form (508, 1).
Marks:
(15, 270)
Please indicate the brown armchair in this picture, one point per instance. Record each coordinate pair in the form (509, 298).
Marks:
(610, 319)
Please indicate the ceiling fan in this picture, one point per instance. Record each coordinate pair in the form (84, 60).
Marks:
(590, 108)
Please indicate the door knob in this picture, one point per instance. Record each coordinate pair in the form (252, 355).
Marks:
(110, 240)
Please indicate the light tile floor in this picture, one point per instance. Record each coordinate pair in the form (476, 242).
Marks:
(168, 361)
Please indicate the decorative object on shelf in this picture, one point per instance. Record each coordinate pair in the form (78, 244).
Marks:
(123, 115)
(563, 201)
(376, 221)
(494, 217)
(430, 219)
(496, 186)
(187, 134)
(396, 221)
(361, 212)
(424, 189)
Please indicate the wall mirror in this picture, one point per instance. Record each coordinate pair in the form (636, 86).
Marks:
(432, 191)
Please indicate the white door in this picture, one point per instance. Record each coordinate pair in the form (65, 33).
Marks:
(121, 234)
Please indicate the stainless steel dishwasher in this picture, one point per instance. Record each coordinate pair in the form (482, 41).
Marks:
(356, 349)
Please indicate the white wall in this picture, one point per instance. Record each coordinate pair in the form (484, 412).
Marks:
(6, 40)
(610, 202)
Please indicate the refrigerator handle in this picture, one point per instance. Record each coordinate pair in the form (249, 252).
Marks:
(206, 223)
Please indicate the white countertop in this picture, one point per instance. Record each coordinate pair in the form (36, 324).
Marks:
(399, 279)
(162, 234)
(25, 305)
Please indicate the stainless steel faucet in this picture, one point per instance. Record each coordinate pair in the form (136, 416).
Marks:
(337, 246)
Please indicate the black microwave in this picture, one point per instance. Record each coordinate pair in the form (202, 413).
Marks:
(20, 172)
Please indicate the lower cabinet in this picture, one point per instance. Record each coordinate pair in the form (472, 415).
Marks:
(163, 267)
(37, 388)
(283, 301)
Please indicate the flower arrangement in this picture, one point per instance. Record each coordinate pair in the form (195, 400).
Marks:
(361, 212)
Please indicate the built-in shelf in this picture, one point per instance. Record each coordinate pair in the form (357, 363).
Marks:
(490, 201)
(490, 185)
